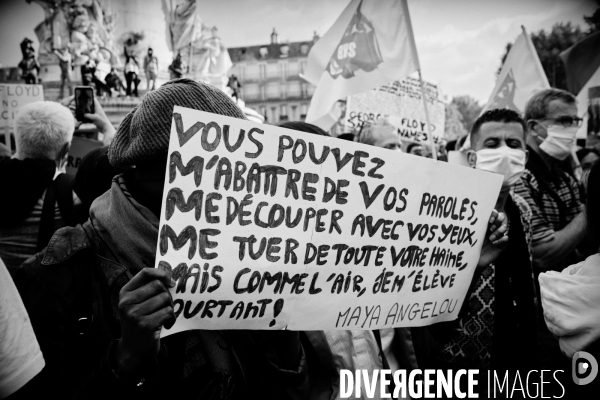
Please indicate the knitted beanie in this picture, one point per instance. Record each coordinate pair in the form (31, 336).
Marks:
(143, 136)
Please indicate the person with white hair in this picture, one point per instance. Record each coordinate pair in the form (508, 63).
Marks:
(44, 130)
(379, 134)
(36, 195)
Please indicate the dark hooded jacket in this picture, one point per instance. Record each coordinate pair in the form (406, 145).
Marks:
(71, 292)
(23, 185)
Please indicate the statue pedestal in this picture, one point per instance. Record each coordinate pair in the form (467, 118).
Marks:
(50, 72)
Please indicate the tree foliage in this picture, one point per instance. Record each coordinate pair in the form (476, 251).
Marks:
(468, 108)
(454, 127)
(550, 45)
(593, 20)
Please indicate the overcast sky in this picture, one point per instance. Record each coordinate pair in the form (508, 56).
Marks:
(460, 42)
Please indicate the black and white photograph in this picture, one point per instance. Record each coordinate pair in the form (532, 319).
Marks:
(299, 199)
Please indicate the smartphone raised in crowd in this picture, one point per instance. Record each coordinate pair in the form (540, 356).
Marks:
(84, 102)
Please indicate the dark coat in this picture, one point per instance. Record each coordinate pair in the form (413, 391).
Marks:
(71, 290)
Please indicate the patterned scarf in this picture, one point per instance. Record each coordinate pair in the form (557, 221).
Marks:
(471, 345)
(131, 232)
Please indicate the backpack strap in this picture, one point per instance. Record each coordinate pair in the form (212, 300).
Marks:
(63, 189)
(47, 219)
(59, 191)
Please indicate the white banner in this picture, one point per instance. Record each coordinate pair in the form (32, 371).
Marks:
(401, 103)
(268, 228)
(12, 97)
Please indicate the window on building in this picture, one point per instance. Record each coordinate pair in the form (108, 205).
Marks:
(303, 111)
(294, 89)
(239, 71)
(272, 70)
(251, 72)
(311, 89)
(293, 112)
(263, 73)
(304, 49)
(273, 114)
(273, 90)
(293, 68)
(251, 91)
(283, 67)
(284, 51)
(264, 52)
(302, 66)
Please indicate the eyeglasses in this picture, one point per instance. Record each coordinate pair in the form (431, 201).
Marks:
(567, 121)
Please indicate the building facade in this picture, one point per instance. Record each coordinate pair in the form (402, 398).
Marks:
(270, 78)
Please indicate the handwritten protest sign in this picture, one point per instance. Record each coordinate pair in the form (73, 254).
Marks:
(12, 97)
(401, 103)
(266, 228)
(79, 148)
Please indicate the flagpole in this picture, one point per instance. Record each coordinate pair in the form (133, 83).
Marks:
(413, 45)
(190, 69)
(429, 130)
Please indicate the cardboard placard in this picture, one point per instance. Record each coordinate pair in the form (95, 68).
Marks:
(12, 97)
(269, 228)
(401, 103)
(79, 148)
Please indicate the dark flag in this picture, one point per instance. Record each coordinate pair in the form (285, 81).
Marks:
(581, 61)
(358, 49)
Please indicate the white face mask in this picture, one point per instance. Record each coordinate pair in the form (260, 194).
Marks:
(560, 141)
(504, 161)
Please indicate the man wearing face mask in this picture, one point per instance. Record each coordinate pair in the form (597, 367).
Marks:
(496, 325)
(548, 185)
(498, 145)
(553, 193)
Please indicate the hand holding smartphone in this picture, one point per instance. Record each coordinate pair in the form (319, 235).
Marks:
(84, 102)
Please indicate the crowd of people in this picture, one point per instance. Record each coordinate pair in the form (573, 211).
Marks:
(85, 317)
(112, 83)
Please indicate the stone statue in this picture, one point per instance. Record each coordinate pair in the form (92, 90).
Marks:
(83, 24)
(198, 43)
(29, 66)
(132, 44)
(177, 67)
(80, 45)
(65, 63)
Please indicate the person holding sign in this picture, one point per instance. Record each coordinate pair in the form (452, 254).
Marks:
(498, 320)
(98, 307)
